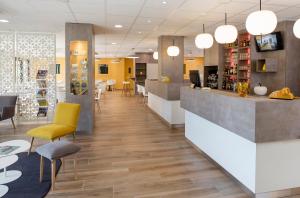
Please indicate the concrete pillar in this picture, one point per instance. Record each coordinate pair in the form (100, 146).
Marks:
(82, 32)
(171, 66)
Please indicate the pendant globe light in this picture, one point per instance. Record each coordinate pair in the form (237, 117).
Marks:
(296, 29)
(173, 50)
(155, 55)
(261, 22)
(204, 40)
(226, 33)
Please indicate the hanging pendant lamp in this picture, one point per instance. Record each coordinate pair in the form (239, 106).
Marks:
(173, 50)
(155, 55)
(204, 40)
(226, 33)
(296, 29)
(261, 22)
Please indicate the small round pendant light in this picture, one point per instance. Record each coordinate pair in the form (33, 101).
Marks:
(155, 55)
(296, 29)
(173, 50)
(261, 22)
(226, 33)
(204, 40)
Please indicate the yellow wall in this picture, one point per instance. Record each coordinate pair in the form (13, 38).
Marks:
(116, 71)
(119, 71)
(196, 64)
(129, 63)
(61, 77)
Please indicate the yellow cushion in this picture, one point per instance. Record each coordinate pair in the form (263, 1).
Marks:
(51, 131)
(67, 114)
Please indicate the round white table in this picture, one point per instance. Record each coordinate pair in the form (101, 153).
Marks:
(9, 159)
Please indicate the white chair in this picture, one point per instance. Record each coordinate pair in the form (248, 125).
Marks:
(114, 83)
(145, 94)
(102, 86)
(111, 83)
(139, 89)
(97, 98)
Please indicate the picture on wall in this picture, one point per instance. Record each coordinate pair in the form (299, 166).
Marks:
(103, 68)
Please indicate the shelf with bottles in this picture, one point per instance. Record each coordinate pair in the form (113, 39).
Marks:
(233, 45)
(244, 65)
(244, 40)
(244, 56)
(244, 68)
(229, 85)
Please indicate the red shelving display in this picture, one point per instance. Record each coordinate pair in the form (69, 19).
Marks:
(237, 64)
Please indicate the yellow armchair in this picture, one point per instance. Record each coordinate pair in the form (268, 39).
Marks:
(64, 123)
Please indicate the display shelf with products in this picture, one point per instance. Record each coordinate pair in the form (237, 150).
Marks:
(230, 66)
(79, 68)
(41, 92)
(244, 65)
(237, 64)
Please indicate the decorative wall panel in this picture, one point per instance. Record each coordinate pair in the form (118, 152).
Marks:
(31, 74)
(7, 63)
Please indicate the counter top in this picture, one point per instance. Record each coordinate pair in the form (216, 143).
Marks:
(167, 91)
(258, 119)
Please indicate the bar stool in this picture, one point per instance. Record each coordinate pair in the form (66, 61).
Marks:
(126, 88)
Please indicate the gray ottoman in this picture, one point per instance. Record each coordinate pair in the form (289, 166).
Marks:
(54, 151)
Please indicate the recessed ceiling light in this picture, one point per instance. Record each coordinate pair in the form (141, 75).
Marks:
(139, 32)
(114, 43)
(3, 21)
(149, 21)
(164, 2)
(118, 26)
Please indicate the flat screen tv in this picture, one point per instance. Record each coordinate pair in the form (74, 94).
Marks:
(269, 42)
(103, 69)
(195, 78)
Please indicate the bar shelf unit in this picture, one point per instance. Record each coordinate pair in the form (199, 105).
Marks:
(230, 66)
(237, 63)
(244, 65)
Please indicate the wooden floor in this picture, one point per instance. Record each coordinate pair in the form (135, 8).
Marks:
(132, 153)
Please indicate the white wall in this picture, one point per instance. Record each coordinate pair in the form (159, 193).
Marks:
(152, 71)
(234, 153)
(169, 110)
(278, 165)
(261, 167)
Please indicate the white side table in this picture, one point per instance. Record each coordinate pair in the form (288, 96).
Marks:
(7, 160)
(11, 175)
(3, 190)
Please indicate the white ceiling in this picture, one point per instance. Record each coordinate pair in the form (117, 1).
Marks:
(143, 20)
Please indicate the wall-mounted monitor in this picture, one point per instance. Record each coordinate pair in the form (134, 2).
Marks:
(269, 42)
(103, 69)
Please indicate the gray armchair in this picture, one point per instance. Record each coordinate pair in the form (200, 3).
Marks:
(7, 108)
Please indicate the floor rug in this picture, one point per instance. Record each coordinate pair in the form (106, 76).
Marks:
(28, 185)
